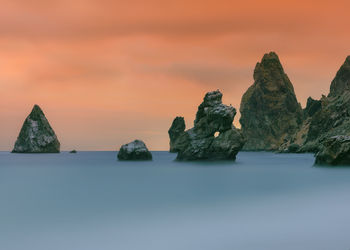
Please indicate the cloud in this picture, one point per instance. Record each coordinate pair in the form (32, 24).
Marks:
(62, 19)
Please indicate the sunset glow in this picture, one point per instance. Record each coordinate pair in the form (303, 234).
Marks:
(108, 72)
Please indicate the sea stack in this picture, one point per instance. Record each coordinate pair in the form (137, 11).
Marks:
(213, 136)
(175, 131)
(36, 135)
(270, 112)
(134, 151)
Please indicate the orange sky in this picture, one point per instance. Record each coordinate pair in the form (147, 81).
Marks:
(107, 72)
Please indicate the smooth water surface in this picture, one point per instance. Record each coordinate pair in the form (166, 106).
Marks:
(91, 201)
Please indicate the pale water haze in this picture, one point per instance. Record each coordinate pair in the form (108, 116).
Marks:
(90, 201)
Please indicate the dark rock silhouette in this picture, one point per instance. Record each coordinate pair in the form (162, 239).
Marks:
(36, 135)
(73, 151)
(270, 112)
(327, 117)
(176, 130)
(334, 151)
(312, 106)
(134, 151)
(213, 136)
(341, 81)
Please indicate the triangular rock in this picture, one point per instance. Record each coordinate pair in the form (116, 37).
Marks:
(270, 112)
(36, 135)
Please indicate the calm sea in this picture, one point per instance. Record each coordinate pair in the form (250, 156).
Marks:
(91, 201)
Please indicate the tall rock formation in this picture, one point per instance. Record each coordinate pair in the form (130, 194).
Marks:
(213, 136)
(327, 118)
(175, 131)
(333, 118)
(270, 112)
(36, 135)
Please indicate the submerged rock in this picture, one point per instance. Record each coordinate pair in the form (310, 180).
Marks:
(133, 151)
(270, 112)
(335, 151)
(213, 136)
(36, 135)
(176, 130)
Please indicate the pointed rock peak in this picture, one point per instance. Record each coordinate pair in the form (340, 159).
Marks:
(269, 63)
(36, 135)
(341, 82)
(36, 111)
(270, 74)
(271, 56)
(269, 108)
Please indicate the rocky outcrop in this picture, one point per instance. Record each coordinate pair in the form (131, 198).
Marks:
(327, 117)
(176, 130)
(36, 135)
(312, 106)
(213, 136)
(270, 112)
(341, 81)
(134, 151)
(335, 151)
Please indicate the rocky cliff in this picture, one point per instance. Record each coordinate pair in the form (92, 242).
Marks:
(213, 136)
(175, 131)
(36, 135)
(270, 112)
(327, 117)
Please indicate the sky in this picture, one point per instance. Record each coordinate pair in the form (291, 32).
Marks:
(106, 72)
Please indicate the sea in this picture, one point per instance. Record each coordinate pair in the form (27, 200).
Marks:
(92, 201)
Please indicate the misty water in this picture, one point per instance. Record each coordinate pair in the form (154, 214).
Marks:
(91, 201)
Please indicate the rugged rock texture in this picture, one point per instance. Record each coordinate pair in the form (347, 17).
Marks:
(270, 112)
(312, 106)
(176, 130)
(341, 82)
(134, 151)
(213, 136)
(335, 151)
(327, 117)
(36, 135)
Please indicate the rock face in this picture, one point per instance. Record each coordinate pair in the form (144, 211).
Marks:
(176, 130)
(36, 135)
(270, 112)
(134, 151)
(213, 136)
(327, 117)
(335, 151)
(341, 81)
(312, 106)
